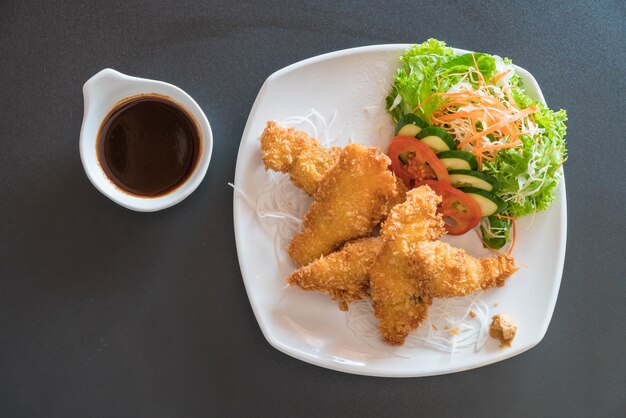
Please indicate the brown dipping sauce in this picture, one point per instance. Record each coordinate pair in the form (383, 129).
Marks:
(148, 145)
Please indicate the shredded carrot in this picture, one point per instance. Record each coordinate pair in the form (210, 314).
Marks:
(479, 160)
(474, 59)
(502, 123)
(426, 100)
(453, 116)
(483, 119)
(510, 251)
(498, 76)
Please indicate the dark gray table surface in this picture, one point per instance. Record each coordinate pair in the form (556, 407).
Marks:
(105, 312)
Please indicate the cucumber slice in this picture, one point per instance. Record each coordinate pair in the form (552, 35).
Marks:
(437, 139)
(409, 130)
(410, 125)
(489, 204)
(471, 178)
(458, 160)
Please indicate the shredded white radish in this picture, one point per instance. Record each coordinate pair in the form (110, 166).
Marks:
(396, 102)
(320, 127)
(453, 325)
(281, 203)
(261, 213)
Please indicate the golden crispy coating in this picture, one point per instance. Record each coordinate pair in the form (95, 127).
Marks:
(415, 219)
(399, 196)
(312, 164)
(291, 151)
(445, 271)
(342, 274)
(350, 201)
(399, 303)
(281, 146)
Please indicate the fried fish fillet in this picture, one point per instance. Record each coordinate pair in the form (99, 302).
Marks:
(281, 146)
(399, 303)
(342, 274)
(445, 271)
(288, 150)
(351, 199)
(398, 197)
(416, 219)
(311, 166)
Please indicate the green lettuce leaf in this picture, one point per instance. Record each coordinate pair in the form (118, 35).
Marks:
(495, 232)
(528, 179)
(428, 68)
(416, 78)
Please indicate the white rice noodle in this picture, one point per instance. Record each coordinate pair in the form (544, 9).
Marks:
(283, 205)
(453, 325)
(318, 124)
(396, 102)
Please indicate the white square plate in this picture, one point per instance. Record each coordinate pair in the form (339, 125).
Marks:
(349, 88)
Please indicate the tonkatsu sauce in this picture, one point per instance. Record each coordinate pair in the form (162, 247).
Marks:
(148, 145)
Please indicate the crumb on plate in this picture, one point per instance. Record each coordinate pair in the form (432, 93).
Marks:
(502, 329)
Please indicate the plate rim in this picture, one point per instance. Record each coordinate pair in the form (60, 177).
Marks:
(377, 371)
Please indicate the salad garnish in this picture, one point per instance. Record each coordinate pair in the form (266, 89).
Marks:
(479, 101)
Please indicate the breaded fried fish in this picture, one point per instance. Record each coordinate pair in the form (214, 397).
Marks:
(342, 274)
(351, 199)
(445, 271)
(311, 166)
(399, 303)
(399, 196)
(291, 151)
(281, 146)
(416, 219)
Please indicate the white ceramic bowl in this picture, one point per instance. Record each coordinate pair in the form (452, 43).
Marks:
(102, 93)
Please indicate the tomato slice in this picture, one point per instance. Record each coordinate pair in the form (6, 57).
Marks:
(460, 211)
(414, 161)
